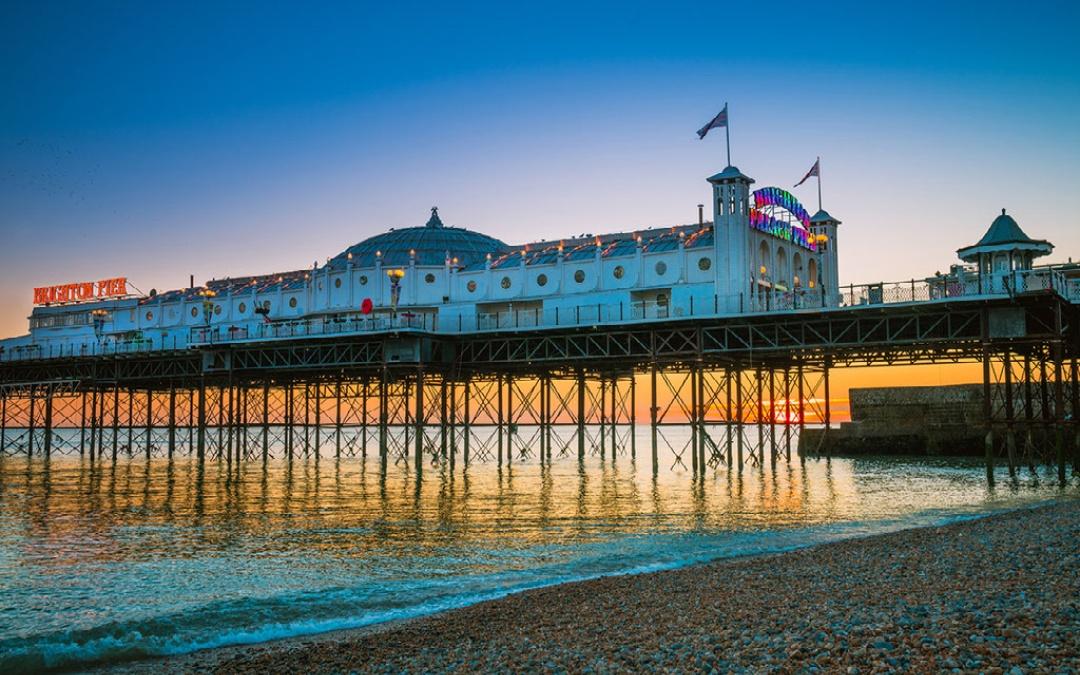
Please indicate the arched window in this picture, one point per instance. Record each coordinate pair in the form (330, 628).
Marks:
(781, 275)
(764, 263)
(811, 273)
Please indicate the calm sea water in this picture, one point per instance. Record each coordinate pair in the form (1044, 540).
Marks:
(117, 560)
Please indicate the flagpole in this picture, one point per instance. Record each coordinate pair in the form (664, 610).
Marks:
(727, 132)
(818, 183)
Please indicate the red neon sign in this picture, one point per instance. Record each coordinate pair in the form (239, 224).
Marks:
(79, 292)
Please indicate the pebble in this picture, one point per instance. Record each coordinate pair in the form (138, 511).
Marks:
(994, 595)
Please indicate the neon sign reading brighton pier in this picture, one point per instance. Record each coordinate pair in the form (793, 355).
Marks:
(766, 200)
(78, 292)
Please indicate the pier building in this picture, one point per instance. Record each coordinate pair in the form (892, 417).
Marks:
(429, 343)
(762, 250)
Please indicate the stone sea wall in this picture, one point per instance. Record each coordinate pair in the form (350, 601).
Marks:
(938, 420)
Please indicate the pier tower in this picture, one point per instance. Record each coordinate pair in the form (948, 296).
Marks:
(731, 216)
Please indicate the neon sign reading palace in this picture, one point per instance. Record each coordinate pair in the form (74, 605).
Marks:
(81, 291)
(765, 222)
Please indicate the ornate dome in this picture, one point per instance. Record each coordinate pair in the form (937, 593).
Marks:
(433, 243)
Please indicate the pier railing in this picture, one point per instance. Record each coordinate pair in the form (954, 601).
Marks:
(766, 299)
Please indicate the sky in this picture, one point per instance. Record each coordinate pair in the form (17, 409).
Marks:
(158, 140)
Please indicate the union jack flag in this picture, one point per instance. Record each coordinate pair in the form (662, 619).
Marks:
(814, 171)
(715, 123)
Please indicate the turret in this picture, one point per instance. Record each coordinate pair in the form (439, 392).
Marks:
(823, 227)
(731, 222)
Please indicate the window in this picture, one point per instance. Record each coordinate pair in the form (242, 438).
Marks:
(471, 286)
(661, 268)
(619, 272)
(149, 316)
(505, 283)
(579, 276)
(292, 303)
(195, 311)
(541, 280)
(429, 278)
(217, 310)
(242, 307)
(337, 282)
(266, 305)
(661, 299)
(363, 280)
(704, 264)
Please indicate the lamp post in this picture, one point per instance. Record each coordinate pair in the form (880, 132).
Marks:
(395, 276)
(98, 317)
(207, 307)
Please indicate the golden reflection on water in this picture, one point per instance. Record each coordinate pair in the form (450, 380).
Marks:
(157, 556)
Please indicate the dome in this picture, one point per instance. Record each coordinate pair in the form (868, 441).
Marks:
(1005, 234)
(433, 243)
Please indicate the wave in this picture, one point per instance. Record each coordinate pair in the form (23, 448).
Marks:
(249, 621)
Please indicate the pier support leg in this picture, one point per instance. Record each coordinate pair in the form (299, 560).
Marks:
(581, 413)
(467, 426)
(653, 411)
(49, 423)
(172, 419)
(31, 422)
(1010, 432)
(988, 417)
(1059, 409)
(201, 422)
(419, 419)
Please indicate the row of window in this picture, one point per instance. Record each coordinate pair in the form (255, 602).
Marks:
(704, 264)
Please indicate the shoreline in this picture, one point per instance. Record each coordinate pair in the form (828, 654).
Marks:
(518, 631)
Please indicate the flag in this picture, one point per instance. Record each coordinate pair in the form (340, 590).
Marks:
(715, 123)
(814, 171)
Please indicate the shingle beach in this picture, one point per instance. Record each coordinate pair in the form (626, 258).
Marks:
(996, 595)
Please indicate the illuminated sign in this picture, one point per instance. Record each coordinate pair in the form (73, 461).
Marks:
(763, 217)
(82, 291)
(773, 196)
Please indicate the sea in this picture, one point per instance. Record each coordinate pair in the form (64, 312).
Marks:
(125, 558)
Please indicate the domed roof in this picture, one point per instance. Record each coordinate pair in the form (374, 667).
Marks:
(432, 243)
(1004, 232)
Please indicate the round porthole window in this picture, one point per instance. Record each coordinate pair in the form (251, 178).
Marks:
(242, 307)
(505, 283)
(541, 280)
(292, 303)
(471, 286)
(266, 305)
(337, 283)
(661, 268)
(579, 276)
(429, 278)
(618, 272)
(704, 264)
(149, 316)
(217, 310)
(194, 311)
(363, 280)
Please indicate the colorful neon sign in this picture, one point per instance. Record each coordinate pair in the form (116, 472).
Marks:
(774, 196)
(788, 231)
(763, 222)
(81, 291)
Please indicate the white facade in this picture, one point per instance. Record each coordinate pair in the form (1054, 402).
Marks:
(479, 283)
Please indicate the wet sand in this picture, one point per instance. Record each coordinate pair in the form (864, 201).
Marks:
(999, 595)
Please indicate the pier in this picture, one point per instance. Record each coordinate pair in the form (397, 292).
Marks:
(420, 394)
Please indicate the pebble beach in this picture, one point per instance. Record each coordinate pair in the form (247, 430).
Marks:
(999, 594)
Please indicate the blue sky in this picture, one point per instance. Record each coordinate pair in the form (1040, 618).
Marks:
(154, 140)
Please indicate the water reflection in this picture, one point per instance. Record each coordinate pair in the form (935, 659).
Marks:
(112, 559)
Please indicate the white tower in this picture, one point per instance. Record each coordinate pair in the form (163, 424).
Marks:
(823, 227)
(731, 237)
